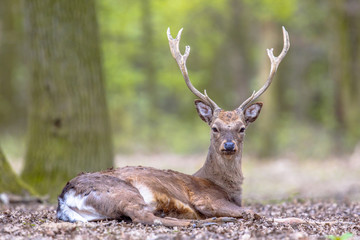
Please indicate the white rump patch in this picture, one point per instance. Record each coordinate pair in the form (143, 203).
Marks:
(147, 194)
(74, 208)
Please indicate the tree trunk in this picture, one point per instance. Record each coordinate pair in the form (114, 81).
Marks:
(233, 68)
(9, 181)
(68, 128)
(270, 38)
(344, 70)
(8, 44)
(149, 69)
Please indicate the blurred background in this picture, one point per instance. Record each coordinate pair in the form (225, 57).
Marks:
(311, 111)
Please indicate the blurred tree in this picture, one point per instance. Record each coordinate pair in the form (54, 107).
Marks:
(9, 181)
(271, 35)
(228, 58)
(68, 128)
(9, 39)
(234, 64)
(345, 62)
(149, 68)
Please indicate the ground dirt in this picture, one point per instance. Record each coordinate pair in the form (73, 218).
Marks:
(37, 221)
(324, 193)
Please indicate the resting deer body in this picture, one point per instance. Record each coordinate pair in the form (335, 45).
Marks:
(151, 196)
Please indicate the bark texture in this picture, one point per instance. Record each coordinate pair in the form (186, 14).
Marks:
(8, 43)
(68, 128)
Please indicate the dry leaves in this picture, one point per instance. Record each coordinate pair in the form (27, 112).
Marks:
(38, 221)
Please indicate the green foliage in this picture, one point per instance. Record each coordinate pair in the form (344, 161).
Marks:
(345, 236)
(314, 93)
(306, 101)
(270, 10)
(208, 29)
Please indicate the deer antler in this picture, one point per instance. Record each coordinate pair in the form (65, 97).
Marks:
(275, 61)
(181, 61)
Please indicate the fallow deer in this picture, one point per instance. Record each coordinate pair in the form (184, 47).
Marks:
(151, 196)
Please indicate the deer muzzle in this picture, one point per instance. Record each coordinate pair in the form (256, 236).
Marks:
(228, 147)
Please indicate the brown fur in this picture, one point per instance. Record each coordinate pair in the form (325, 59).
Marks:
(228, 116)
(113, 194)
(172, 190)
(151, 196)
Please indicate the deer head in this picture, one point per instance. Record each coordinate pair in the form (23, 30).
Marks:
(227, 127)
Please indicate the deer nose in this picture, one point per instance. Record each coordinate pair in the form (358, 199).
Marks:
(229, 146)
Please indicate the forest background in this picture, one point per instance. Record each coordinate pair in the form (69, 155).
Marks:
(311, 109)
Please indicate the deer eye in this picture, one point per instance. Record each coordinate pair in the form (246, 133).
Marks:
(242, 130)
(215, 130)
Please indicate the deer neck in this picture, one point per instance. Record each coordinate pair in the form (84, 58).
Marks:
(224, 171)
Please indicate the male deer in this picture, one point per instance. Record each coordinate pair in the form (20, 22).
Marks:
(151, 196)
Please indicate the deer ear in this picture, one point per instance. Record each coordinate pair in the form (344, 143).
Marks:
(204, 110)
(252, 112)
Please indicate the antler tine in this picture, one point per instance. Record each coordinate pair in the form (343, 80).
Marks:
(275, 61)
(181, 61)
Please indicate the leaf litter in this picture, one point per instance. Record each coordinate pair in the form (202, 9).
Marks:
(323, 219)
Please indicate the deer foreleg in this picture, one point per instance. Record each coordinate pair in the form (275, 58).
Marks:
(224, 211)
(144, 216)
(224, 208)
